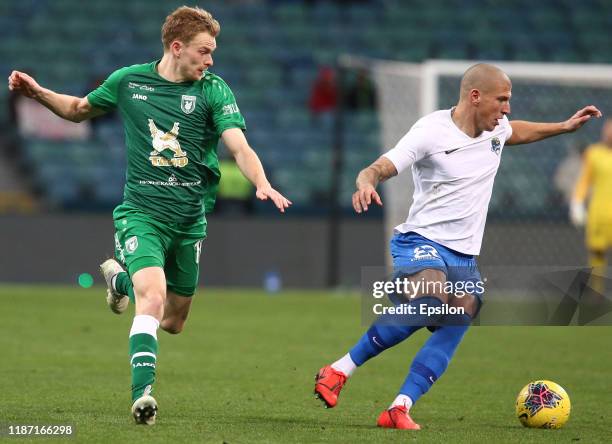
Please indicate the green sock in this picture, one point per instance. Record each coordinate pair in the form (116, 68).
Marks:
(143, 354)
(123, 284)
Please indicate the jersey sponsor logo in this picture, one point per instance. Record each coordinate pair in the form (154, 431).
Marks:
(172, 179)
(188, 104)
(134, 85)
(230, 109)
(169, 183)
(166, 141)
(425, 252)
(495, 145)
(139, 96)
(131, 244)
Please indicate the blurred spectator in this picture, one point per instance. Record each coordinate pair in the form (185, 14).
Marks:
(35, 121)
(324, 92)
(361, 93)
(567, 173)
(235, 195)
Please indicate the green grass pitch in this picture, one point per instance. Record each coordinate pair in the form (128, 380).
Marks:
(243, 370)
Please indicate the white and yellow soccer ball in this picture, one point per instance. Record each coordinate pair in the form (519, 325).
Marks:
(543, 404)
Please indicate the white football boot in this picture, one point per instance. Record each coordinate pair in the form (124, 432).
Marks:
(144, 408)
(116, 302)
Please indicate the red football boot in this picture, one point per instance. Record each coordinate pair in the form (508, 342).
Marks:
(328, 384)
(397, 418)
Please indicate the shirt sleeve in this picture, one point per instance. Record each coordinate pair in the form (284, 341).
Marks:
(225, 111)
(409, 149)
(106, 95)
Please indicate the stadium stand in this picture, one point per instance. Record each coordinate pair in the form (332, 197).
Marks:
(270, 52)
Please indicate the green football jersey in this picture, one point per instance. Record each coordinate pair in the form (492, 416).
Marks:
(171, 133)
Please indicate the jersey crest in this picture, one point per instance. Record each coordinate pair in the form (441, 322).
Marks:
(188, 104)
(162, 141)
(495, 145)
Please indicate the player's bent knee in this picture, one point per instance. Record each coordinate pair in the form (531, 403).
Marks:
(424, 283)
(469, 303)
(172, 329)
(150, 303)
(173, 325)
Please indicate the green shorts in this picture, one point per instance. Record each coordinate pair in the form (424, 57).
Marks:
(142, 241)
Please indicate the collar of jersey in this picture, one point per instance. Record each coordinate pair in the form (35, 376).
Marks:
(154, 71)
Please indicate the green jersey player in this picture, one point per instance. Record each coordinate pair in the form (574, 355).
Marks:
(174, 112)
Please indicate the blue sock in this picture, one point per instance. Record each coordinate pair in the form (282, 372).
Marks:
(389, 330)
(432, 359)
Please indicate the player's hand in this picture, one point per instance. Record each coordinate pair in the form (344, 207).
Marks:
(266, 192)
(581, 117)
(365, 196)
(577, 214)
(24, 84)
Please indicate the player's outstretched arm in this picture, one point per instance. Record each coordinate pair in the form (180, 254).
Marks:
(368, 179)
(67, 107)
(527, 132)
(251, 167)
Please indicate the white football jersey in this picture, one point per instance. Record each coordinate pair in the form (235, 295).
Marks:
(453, 179)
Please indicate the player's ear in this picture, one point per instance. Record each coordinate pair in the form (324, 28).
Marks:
(475, 96)
(176, 48)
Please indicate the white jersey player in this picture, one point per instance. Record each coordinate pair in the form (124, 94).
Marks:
(454, 155)
(453, 179)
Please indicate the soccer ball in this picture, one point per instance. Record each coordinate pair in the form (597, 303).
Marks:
(543, 404)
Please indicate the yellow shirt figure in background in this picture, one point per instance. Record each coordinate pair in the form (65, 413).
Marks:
(595, 183)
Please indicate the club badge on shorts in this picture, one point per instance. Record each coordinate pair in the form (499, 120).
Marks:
(425, 252)
(131, 244)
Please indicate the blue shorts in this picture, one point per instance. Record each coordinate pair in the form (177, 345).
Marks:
(413, 253)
